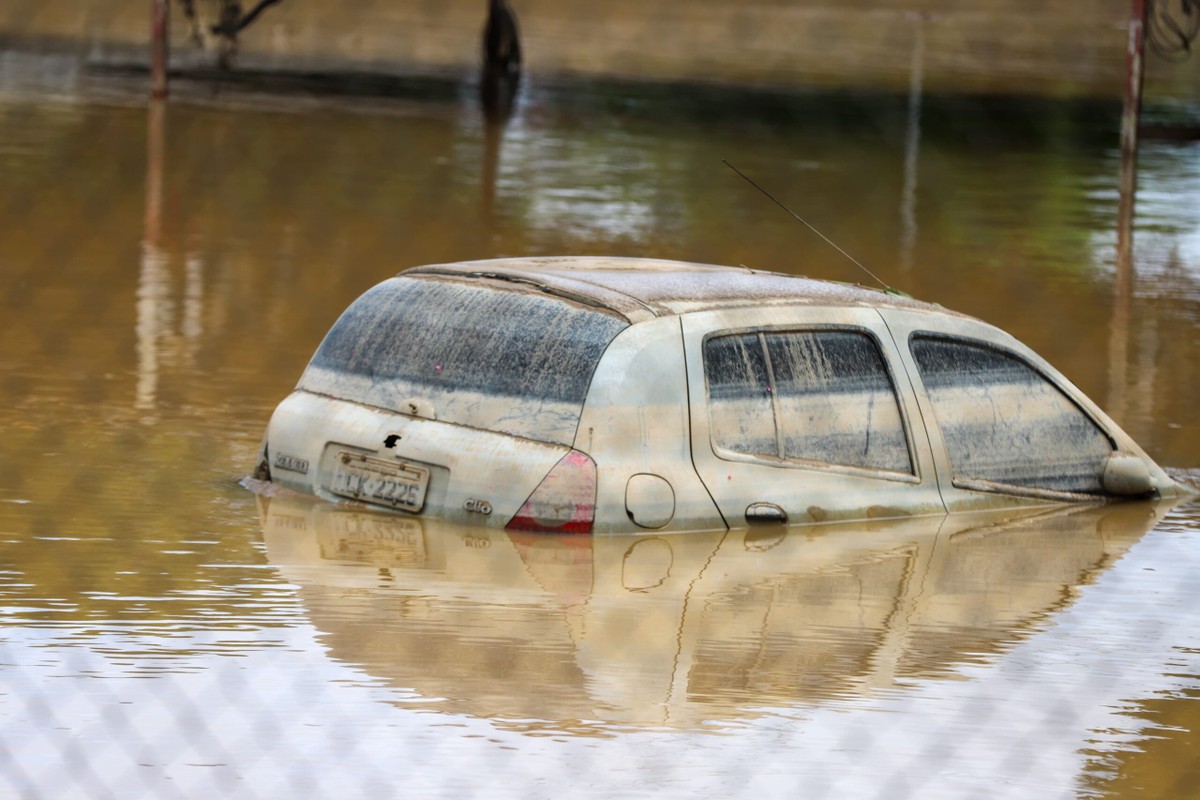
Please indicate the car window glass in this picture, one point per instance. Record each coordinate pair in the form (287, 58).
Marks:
(470, 350)
(739, 395)
(813, 396)
(836, 400)
(1004, 422)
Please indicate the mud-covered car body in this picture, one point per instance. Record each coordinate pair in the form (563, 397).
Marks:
(603, 394)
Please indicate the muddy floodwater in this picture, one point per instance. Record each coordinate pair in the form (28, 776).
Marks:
(164, 632)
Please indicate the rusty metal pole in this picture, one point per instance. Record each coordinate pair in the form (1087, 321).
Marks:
(1130, 118)
(1118, 346)
(159, 15)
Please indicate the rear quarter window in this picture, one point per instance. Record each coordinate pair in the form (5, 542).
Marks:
(500, 359)
(741, 409)
(1005, 423)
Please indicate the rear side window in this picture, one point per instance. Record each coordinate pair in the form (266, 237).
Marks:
(503, 360)
(1005, 423)
(741, 408)
(806, 396)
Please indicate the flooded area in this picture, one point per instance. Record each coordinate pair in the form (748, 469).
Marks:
(170, 270)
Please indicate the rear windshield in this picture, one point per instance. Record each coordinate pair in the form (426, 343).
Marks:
(499, 359)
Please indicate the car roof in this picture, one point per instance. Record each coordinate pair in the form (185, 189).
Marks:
(643, 288)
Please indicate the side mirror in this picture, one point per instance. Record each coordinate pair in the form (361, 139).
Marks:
(1126, 475)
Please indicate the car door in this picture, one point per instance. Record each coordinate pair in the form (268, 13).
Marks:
(805, 414)
(1006, 428)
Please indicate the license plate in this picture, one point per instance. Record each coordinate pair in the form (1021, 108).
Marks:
(376, 480)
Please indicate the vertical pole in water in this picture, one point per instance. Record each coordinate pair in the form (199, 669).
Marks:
(1134, 67)
(1123, 280)
(158, 48)
(912, 147)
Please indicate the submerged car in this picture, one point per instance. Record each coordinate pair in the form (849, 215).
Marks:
(607, 394)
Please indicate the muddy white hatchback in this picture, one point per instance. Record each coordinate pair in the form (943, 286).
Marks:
(600, 394)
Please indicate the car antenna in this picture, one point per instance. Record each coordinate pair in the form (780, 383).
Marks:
(826, 239)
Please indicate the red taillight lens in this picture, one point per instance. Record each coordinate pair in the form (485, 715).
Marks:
(565, 500)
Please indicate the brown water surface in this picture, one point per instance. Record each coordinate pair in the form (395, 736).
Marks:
(168, 272)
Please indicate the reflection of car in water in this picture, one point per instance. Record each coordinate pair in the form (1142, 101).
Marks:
(541, 632)
(576, 395)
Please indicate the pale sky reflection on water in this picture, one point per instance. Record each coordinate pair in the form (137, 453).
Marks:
(1030, 719)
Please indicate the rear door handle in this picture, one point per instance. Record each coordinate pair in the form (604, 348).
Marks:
(758, 513)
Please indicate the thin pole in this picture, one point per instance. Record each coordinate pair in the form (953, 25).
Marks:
(912, 148)
(1118, 347)
(1134, 68)
(159, 15)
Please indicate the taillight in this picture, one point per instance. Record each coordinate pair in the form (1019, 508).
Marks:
(565, 500)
